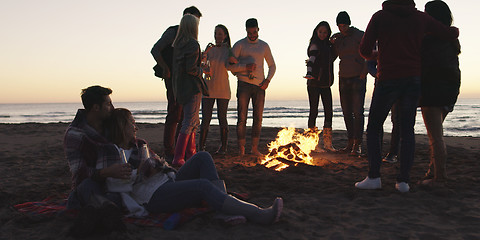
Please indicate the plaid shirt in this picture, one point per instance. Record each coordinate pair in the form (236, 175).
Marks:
(86, 150)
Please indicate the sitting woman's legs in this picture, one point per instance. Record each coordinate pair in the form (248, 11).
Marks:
(201, 165)
(176, 196)
(195, 183)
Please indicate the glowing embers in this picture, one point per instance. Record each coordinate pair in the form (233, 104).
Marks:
(291, 147)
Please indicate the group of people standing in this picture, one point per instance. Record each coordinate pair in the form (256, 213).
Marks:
(416, 59)
(407, 55)
(413, 56)
(188, 90)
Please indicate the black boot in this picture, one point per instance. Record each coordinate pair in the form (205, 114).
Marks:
(203, 138)
(224, 139)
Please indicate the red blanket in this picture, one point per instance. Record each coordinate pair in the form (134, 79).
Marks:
(51, 207)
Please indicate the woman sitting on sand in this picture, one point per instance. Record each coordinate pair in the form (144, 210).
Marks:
(195, 182)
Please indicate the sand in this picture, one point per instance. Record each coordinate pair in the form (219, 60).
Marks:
(319, 202)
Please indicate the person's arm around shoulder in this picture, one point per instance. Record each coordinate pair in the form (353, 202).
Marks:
(440, 30)
(333, 53)
(271, 67)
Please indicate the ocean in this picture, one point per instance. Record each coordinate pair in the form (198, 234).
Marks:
(463, 121)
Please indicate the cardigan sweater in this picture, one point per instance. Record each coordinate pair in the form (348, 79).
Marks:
(187, 72)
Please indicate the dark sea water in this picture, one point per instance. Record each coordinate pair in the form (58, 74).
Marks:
(463, 121)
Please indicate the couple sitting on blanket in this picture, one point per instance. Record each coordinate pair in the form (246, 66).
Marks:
(106, 159)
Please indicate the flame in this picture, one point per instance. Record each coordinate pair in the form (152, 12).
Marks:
(293, 146)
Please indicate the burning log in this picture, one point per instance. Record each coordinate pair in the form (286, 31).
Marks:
(291, 146)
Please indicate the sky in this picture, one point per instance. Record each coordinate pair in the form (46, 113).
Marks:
(51, 49)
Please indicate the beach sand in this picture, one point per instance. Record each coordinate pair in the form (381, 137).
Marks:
(319, 202)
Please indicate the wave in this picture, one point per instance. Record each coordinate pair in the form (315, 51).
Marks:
(149, 112)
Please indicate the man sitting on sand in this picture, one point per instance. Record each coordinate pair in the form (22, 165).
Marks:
(87, 150)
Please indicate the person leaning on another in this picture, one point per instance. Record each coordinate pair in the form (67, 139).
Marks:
(88, 152)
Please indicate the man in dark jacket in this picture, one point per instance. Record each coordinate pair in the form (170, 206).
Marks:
(162, 52)
(399, 29)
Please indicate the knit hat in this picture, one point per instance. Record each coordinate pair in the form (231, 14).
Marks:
(251, 22)
(343, 18)
(402, 2)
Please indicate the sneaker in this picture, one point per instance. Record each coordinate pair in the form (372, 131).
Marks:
(402, 187)
(390, 158)
(369, 183)
(308, 76)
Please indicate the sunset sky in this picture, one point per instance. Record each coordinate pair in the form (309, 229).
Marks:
(51, 49)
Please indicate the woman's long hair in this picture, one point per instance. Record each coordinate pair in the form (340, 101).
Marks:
(439, 10)
(116, 126)
(315, 38)
(227, 38)
(187, 30)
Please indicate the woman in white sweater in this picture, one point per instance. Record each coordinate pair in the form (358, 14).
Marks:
(218, 58)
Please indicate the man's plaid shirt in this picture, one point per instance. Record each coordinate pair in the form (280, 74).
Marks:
(86, 150)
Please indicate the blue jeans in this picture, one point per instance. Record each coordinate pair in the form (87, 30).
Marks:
(246, 91)
(191, 117)
(405, 92)
(352, 99)
(395, 136)
(314, 94)
(191, 186)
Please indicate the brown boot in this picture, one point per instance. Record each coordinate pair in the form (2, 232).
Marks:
(357, 148)
(348, 148)
(327, 140)
(203, 139)
(224, 139)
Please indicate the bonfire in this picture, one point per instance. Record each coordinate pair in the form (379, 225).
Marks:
(291, 147)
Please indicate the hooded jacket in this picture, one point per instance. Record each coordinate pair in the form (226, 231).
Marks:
(399, 29)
